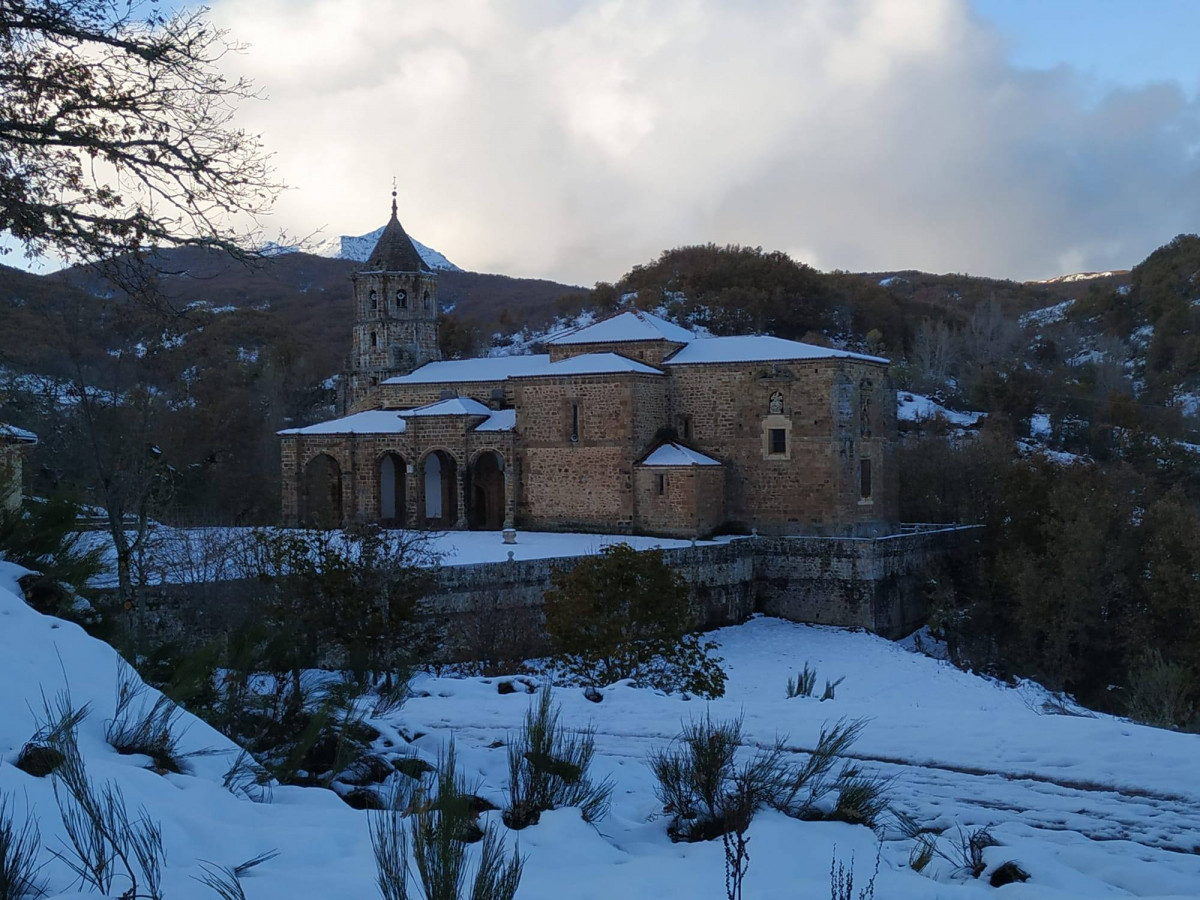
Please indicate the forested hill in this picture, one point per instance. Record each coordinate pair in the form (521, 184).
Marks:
(244, 351)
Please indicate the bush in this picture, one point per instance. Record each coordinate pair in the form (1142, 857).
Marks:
(803, 684)
(703, 788)
(19, 848)
(548, 769)
(805, 785)
(430, 834)
(41, 754)
(146, 729)
(624, 614)
(1162, 693)
(105, 841)
(44, 536)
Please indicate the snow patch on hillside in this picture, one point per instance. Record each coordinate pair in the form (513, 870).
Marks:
(1046, 315)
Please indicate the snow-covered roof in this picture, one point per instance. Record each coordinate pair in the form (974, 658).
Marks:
(632, 325)
(454, 406)
(678, 455)
(500, 420)
(589, 364)
(373, 421)
(13, 433)
(495, 368)
(757, 348)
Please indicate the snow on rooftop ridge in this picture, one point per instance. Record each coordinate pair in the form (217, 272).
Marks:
(486, 368)
(13, 433)
(757, 348)
(499, 420)
(678, 455)
(453, 406)
(590, 364)
(373, 421)
(631, 325)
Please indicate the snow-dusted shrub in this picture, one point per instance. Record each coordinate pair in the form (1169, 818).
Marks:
(427, 833)
(226, 881)
(624, 614)
(808, 783)
(841, 880)
(861, 798)
(704, 788)
(137, 726)
(40, 755)
(106, 842)
(19, 848)
(803, 684)
(44, 536)
(548, 768)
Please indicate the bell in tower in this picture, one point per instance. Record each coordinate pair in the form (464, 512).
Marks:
(395, 315)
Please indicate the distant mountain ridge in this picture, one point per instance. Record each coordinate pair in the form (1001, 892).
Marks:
(357, 248)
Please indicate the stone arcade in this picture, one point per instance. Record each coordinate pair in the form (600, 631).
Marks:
(630, 424)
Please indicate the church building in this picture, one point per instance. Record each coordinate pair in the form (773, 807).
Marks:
(628, 425)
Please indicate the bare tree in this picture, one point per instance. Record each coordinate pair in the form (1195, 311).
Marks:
(117, 134)
(117, 138)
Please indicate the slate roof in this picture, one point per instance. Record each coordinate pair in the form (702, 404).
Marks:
(757, 348)
(495, 368)
(589, 364)
(373, 421)
(677, 455)
(632, 325)
(454, 406)
(12, 433)
(395, 251)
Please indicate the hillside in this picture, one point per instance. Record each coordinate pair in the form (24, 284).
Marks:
(1069, 798)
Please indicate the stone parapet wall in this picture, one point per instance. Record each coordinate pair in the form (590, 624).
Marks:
(494, 610)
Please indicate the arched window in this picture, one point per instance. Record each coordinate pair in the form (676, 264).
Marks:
(374, 298)
(374, 339)
(425, 300)
(402, 299)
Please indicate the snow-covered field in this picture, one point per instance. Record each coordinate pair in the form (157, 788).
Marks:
(1089, 806)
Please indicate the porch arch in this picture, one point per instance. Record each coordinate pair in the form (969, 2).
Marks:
(321, 495)
(486, 491)
(393, 489)
(439, 490)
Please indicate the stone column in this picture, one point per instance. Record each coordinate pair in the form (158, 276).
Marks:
(461, 486)
(510, 500)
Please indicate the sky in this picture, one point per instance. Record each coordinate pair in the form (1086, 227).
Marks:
(574, 139)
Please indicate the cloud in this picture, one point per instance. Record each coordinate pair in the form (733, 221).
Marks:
(575, 139)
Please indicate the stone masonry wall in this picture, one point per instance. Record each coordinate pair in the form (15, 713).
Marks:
(584, 479)
(652, 353)
(731, 409)
(690, 503)
(493, 610)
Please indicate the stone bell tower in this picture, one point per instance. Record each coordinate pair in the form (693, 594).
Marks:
(395, 316)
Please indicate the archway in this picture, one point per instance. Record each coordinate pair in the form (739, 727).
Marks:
(393, 496)
(485, 507)
(322, 492)
(440, 482)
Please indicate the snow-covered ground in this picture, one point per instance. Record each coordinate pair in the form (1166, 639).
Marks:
(1088, 806)
(185, 555)
(912, 407)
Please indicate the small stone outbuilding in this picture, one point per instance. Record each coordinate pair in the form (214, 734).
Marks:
(14, 443)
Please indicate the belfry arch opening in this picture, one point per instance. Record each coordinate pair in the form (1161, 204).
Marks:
(439, 479)
(393, 496)
(322, 495)
(485, 492)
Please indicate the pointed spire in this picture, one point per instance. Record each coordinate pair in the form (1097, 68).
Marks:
(395, 251)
